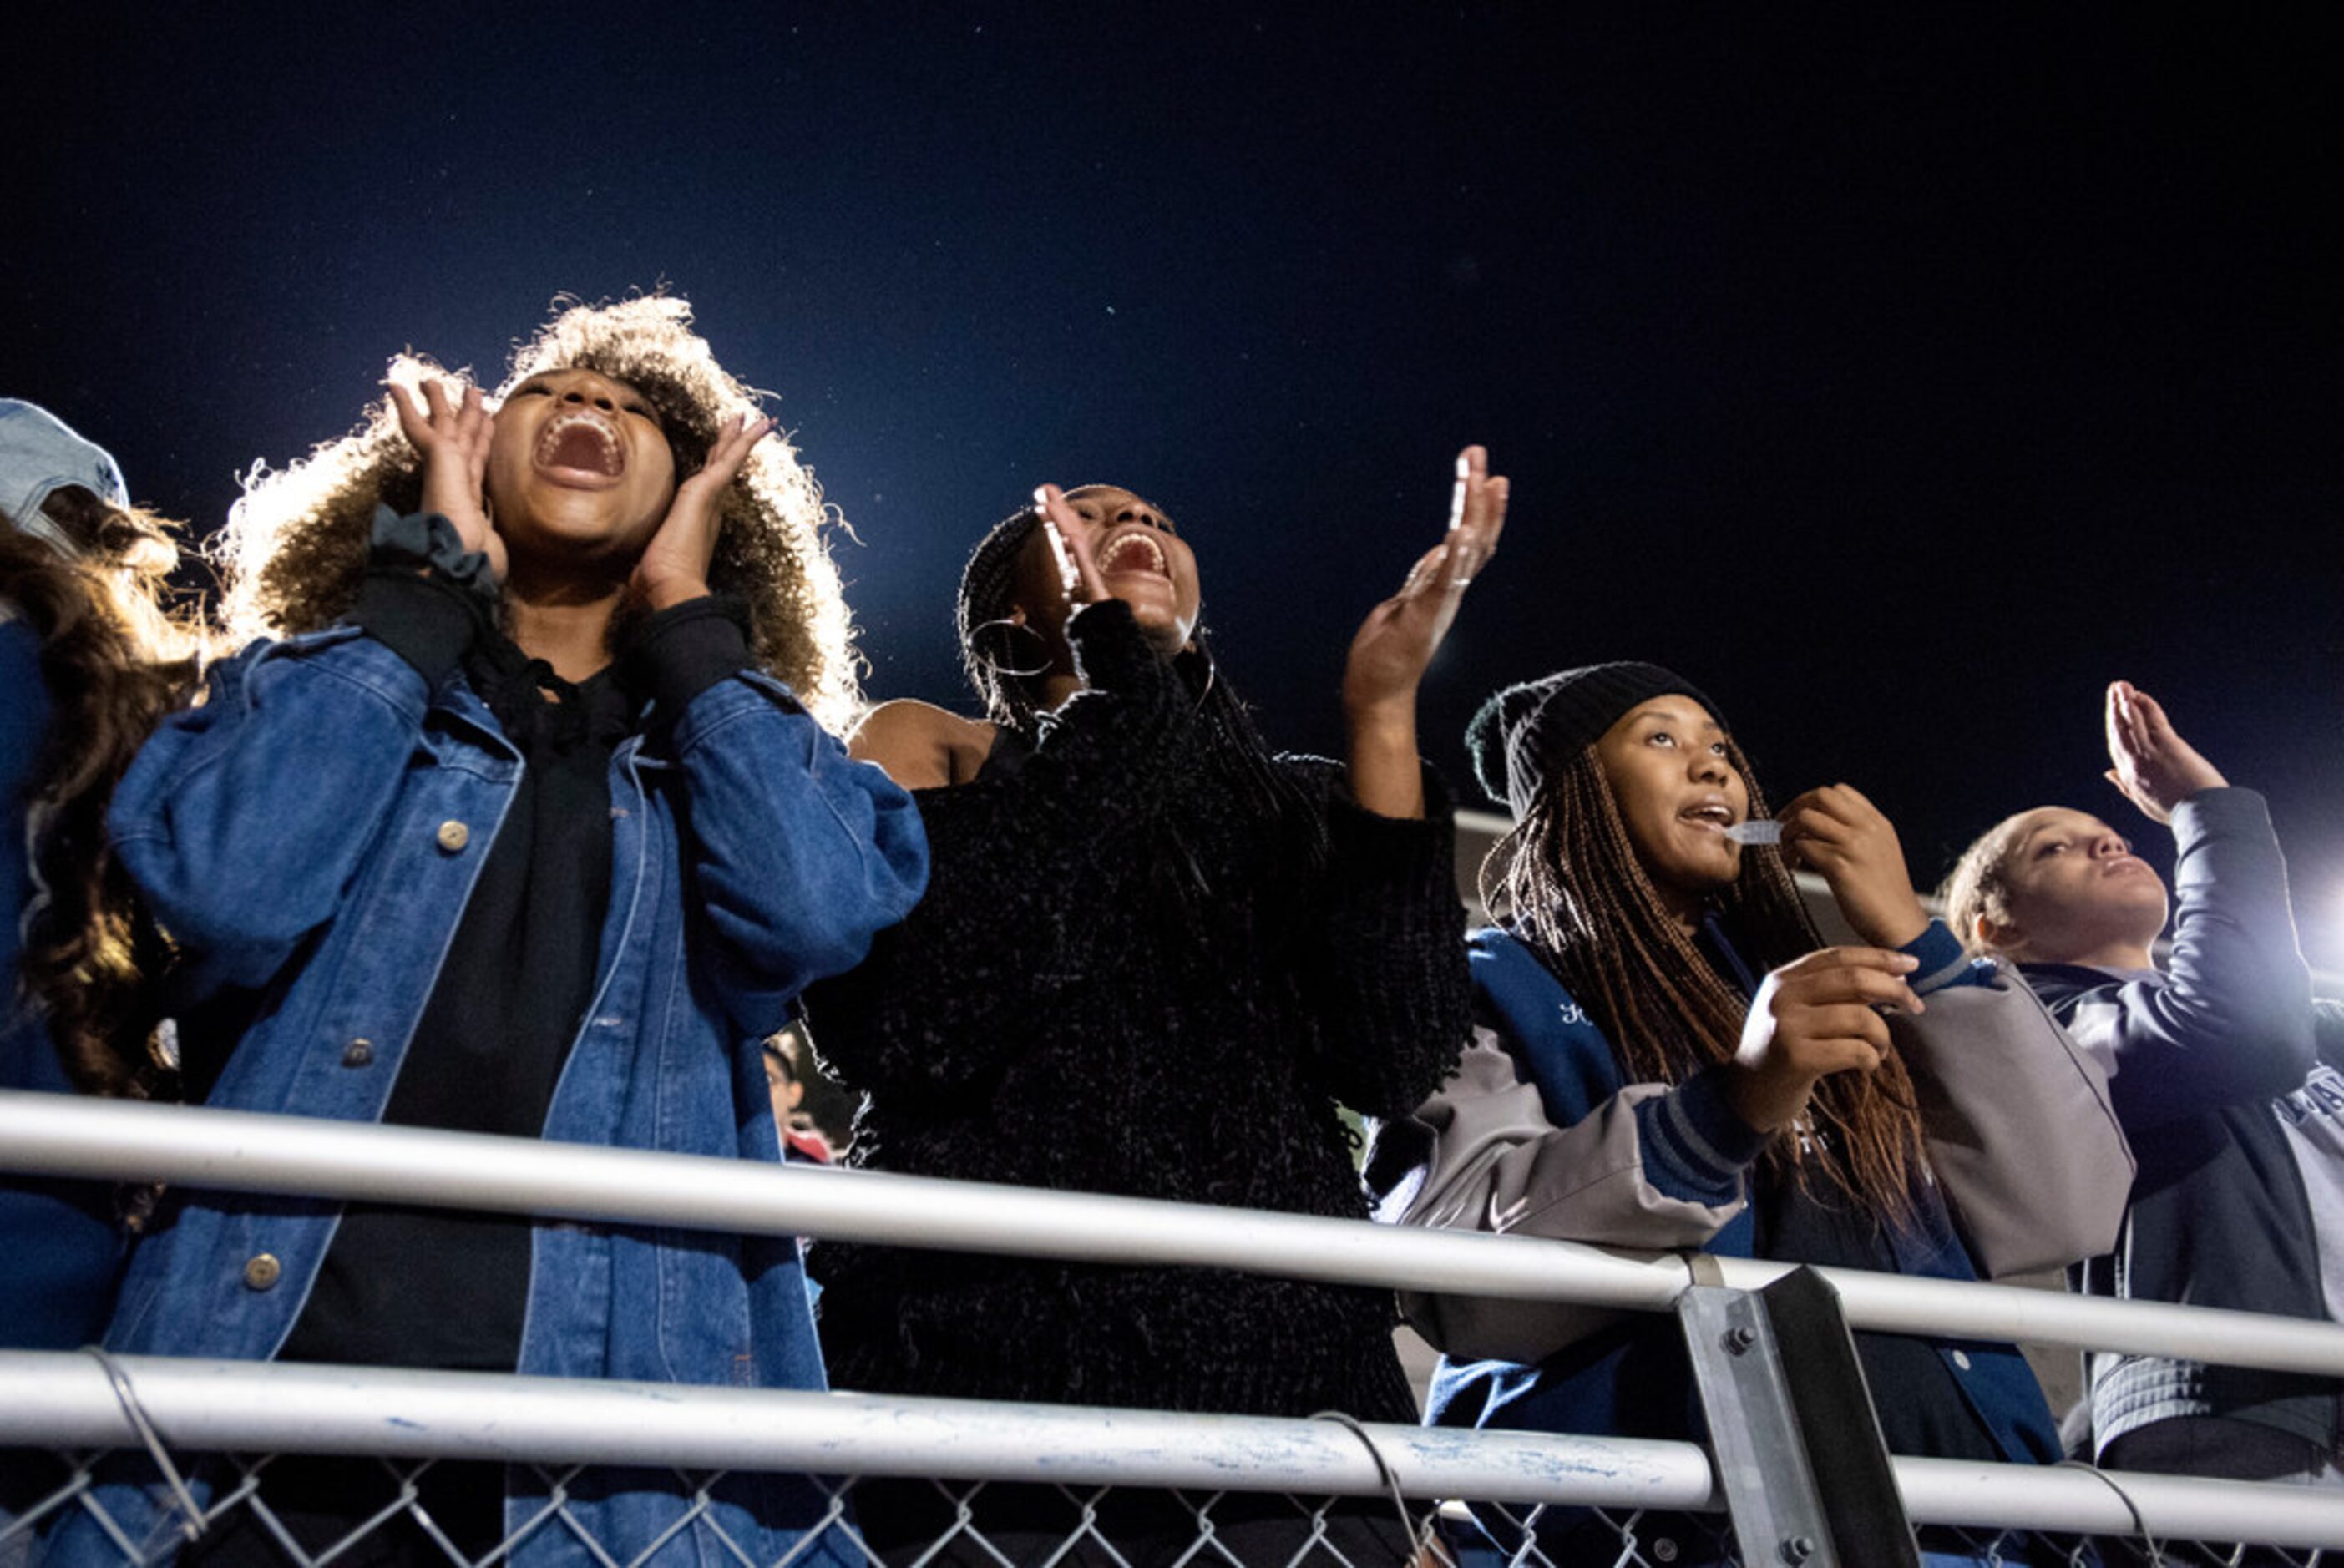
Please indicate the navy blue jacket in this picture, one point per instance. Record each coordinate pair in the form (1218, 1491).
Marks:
(2208, 1062)
(1539, 1134)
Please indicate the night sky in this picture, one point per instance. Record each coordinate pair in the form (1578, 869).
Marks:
(1899, 377)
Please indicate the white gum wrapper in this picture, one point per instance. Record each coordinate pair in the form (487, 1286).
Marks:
(1764, 830)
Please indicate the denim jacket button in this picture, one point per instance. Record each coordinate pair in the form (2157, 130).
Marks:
(358, 1053)
(1962, 1360)
(454, 835)
(262, 1270)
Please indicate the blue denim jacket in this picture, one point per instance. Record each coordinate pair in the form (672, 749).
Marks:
(310, 835)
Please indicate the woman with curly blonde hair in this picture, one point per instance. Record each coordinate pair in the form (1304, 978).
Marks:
(526, 827)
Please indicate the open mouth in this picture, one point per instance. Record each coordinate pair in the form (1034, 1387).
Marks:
(1714, 814)
(1134, 551)
(580, 443)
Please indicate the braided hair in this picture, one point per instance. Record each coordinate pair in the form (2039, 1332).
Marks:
(988, 590)
(1571, 881)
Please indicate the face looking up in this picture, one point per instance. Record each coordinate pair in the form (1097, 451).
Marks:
(578, 467)
(1677, 791)
(1142, 562)
(2070, 888)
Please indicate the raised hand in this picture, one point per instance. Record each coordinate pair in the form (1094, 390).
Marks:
(1814, 1016)
(1397, 641)
(2155, 767)
(1837, 832)
(674, 566)
(1080, 573)
(452, 435)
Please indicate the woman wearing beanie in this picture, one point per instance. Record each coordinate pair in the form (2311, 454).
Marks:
(1152, 959)
(1666, 1056)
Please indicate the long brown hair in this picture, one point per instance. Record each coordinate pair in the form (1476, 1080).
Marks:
(114, 659)
(1568, 878)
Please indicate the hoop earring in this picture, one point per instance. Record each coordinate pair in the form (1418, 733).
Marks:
(1002, 654)
(1212, 675)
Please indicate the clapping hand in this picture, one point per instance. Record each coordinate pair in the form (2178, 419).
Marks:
(1399, 635)
(2155, 767)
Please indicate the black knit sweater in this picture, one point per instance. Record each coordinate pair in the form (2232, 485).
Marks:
(1133, 974)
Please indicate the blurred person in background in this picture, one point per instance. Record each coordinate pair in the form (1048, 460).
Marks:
(92, 656)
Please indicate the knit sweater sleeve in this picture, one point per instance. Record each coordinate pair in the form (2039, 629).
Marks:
(1017, 859)
(1384, 965)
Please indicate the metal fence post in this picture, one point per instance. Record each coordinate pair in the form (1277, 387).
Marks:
(1798, 1450)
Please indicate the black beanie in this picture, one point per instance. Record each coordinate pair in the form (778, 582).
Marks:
(1554, 716)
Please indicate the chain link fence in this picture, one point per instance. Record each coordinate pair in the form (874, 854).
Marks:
(308, 1512)
(262, 1462)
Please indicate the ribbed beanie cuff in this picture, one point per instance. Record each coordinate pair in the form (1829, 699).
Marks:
(1520, 730)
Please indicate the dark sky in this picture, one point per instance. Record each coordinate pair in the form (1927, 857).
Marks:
(1900, 377)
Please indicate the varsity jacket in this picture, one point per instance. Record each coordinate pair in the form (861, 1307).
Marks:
(1538, 1134)
(2232, 1098)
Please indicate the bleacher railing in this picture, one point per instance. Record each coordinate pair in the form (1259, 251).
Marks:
(74, 1406)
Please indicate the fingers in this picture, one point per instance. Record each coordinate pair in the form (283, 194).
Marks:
(738, 439)
(474, 429)
(1863, 989)
(463, 419)
(471, 426)
(1885, 960)
(1426, 572)
(414, 423)
(1477, 515)
(2121, 749)
(1843, 804)
(1066, 524)
(1851, 974)
(1844, 1025)
(2156, 731)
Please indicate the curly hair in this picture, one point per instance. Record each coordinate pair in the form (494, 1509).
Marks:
(295, 548)
(1568, 876)
(115, 657)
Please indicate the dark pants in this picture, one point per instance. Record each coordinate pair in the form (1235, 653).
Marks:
(2220, 1450)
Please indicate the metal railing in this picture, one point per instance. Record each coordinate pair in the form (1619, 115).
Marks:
(66, 1402)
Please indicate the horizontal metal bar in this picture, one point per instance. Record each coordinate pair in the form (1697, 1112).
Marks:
(58, 1399)
(244, 1151)
(249, 1152)
(2079, 1498)
(64, 1400)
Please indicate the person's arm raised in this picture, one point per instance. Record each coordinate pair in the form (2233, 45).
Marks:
(2231, 1021)
(1400, 636)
